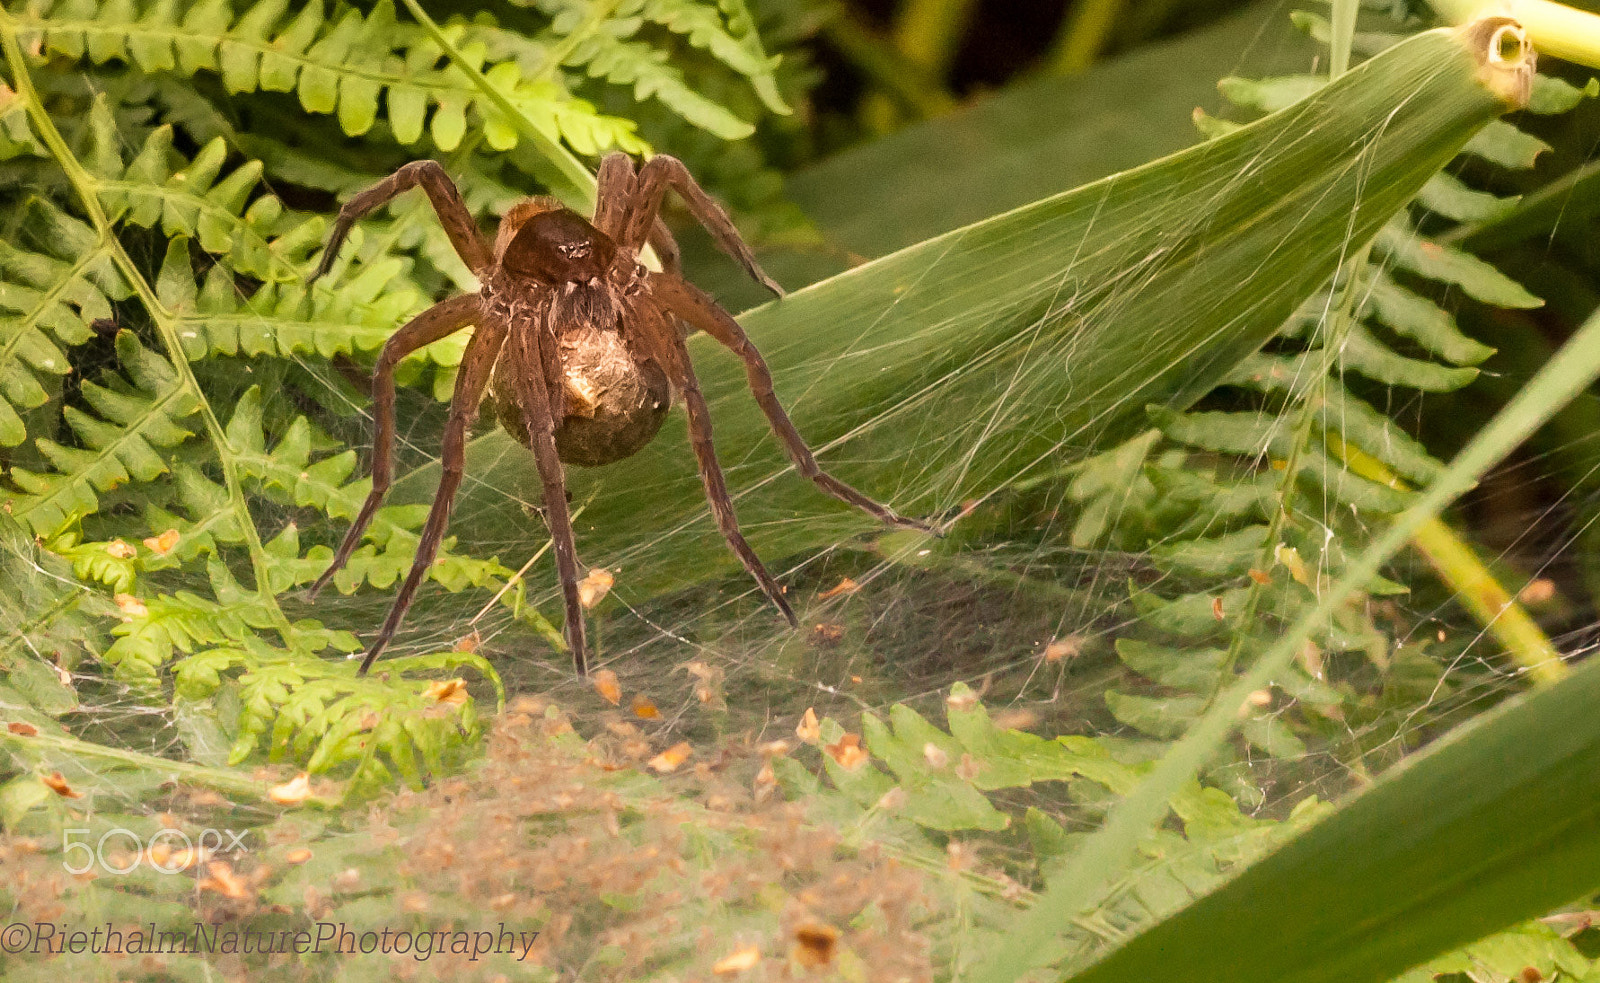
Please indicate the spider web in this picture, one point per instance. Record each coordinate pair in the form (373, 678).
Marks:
(884, 624)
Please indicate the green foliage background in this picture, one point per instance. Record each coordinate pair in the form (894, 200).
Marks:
(178, 412)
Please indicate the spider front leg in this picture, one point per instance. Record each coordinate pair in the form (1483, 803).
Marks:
(697, 308)
(471, 379)
(438, 321)
(615, 190)
(650, 187)
(442, 194)
(529, 368)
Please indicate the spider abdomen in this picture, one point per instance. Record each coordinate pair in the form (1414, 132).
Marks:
(615, 400)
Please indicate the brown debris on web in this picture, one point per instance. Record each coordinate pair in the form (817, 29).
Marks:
(695, 879)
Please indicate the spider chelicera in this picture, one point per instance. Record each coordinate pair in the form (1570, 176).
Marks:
(581, 347)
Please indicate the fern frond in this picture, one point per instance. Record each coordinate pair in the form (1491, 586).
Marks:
(279, 319)
(82, 184)
(198, 199)
(157, 628)
(131, 422)
(48, 299)
(305, 709)
(343, 66)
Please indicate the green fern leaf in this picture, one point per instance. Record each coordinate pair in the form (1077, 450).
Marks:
(47, 301)
(343, 68)
(133, 421)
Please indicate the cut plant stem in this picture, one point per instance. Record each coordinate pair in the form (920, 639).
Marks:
(1556, 29)
(1494, 606)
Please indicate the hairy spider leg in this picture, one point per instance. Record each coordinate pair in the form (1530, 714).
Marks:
(664, 339)
(442, 319)
(530, 363)
(650, 187)
(614, 188)
(471, 379)
(442, 194)
(614, 201)
(692, 304)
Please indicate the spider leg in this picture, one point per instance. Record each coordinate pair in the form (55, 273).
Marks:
(697, 308)
(443, 318)
(533, 397)
(616, 185)
(471, 378)
(665, 340)
(442, 194)
(655, 177)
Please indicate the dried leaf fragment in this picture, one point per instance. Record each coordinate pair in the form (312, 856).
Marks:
(593, 588)
(671, 758)
(447, 691)
(847, 752)
(737, 961)
(224, 881)
(809, 729)
(1063, 648)
(814, 944)
(1540, 590)
(605, 683)
(163, 544)
(708, 681)
(845, 587)
(293, 792)
(131, 606)
(57, 783)
(827, 634)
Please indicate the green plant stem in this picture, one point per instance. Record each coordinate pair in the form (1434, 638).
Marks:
(580, 189)
(226, 780)
(918, 91)
(599, 12)
(1084, 35)
(1307, 413)
(928, 32)
(83, 184)
(1342, 33)
(1473, 584)
(1566, 375)
(1556, 29)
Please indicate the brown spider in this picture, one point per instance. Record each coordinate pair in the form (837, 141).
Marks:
(583, 352)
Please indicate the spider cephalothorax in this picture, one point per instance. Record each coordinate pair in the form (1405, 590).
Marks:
(582, 348)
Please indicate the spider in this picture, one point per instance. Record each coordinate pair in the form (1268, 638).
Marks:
(580, 351)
